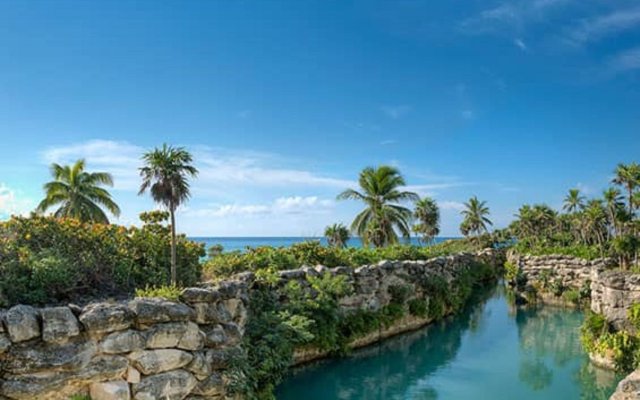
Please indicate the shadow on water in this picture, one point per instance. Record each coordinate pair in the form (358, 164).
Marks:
(491, 350)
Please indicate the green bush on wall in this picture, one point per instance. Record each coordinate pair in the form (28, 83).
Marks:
(44, 260)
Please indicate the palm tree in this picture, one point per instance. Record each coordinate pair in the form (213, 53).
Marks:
(613, 204)
(78, 194)
(428, 215)
(166, 175)
(337, 235)
(574, 201)
(475, 217)
(380, 190)
(628, 176)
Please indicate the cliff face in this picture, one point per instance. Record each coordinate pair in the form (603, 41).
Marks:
(154, 349)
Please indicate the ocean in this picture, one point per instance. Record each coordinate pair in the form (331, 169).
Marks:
(241, 243)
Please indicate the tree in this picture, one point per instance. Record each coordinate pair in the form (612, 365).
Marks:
(166, 174)
(475, 217)
(78, 194)
(614, 206)
(427, 214)
(628, 176)
(337, 235)
(574, 201)
(381, 191)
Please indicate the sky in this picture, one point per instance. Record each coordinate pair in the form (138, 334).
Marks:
(282, 103)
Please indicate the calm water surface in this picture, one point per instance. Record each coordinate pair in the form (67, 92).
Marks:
(492, 351)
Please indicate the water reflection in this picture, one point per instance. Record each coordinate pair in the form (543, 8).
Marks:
(490, 349)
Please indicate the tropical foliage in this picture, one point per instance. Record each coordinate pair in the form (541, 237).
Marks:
(78, 194)
(381, 190)
(427, 216)
(166, 174)
(475, 217)
(589, 228)
(46, 259)
(337, 235)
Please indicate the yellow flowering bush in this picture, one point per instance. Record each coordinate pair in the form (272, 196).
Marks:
(46, 260)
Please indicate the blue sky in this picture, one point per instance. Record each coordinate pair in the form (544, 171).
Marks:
(282, 103)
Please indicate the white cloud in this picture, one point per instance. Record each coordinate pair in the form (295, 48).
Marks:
(451, 205)
(520, 44)
(396, 111)
(387, 142)
(596, 28)
(280, 206)
(513, 15)
(13, 204)
(216, 166)
(625, 61)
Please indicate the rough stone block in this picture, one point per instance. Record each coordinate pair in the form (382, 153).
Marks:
(58, 324)
(114, 390)
(22, 323)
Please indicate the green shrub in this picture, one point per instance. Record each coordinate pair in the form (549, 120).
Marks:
(633, 314)
(572, 296)
(418, 308)
(80, 397)
(44, 259)
(171, 293)
(594, 326)
(575, 250)
(312, 253)
(557, 287)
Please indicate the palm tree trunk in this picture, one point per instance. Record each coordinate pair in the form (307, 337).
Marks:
(173, 247)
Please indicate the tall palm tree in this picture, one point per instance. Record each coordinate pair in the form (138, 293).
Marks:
(628, 176)
(427, 214)
(574, 201)
(613, 204)
(78, 194)
(475, 217)
(166, 174)
(337, 235)
(381, 191)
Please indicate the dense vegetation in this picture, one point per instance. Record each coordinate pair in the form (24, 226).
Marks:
(283, 319)
(313, 253)
(588, 228)
(623, 347)
(46, 259)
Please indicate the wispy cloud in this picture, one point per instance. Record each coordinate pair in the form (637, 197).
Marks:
(216, 166)
(520, 44)
(396, 111)
(451, 205)
(388, 142)
(11, 203)
(596, 28)
(511, 15)
(627, 60)
(282, 205)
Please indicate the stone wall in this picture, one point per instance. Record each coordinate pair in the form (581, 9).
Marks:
(149, 349)
(613, 293)
(573, 271)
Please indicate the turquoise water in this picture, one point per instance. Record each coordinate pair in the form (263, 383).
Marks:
(240, 243)
(492, 351)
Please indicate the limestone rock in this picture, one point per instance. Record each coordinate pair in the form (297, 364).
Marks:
(154, 310)
(174, 385)
(58, 324)
(44, 385)
(155, 361)
(5, 343)
(28, 357)
(133, 375)
(212, 386)
(216, 336)
(114, 390)
(105, 317)
(22, 323)
(183, 335)
(122, 342)
(628, 388)
(211, 313)
(200, 295)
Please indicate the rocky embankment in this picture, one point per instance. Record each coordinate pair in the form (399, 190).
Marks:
(148, 349)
